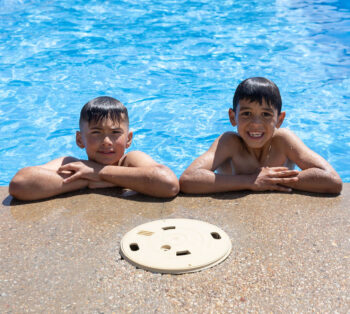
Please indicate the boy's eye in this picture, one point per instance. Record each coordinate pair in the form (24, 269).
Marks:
(245, 113)
(267, 114)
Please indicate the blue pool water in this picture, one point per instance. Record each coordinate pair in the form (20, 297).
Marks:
(175, 65)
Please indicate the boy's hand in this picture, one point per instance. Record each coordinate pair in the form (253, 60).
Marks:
(273, 179)
(80, 170)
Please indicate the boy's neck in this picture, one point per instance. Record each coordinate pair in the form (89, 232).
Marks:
(262, 154)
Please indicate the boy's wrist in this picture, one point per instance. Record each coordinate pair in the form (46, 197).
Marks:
(243, 182)
(103, 171)
(250, 182)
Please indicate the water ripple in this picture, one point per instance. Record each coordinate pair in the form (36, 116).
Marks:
(175, 64)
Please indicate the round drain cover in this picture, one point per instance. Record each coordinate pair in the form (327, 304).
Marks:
(175, 246)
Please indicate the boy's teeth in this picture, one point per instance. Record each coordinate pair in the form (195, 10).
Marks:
(255, 134)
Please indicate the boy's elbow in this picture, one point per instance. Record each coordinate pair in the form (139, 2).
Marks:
(20, 186)
(170, 183)
(174, 188)
(17, 186)
(334, 185)
(186, 183)
(14, 188)
(337, 186)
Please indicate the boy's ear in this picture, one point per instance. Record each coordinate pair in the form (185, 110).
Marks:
(232, 116)
(280, 119)
(79, 139)
(128, 143)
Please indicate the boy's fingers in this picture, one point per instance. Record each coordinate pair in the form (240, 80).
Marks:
(287, 173)
(279, 168)
(65, 172)
(67, 167)
(284, 180)
(71, 178)
(275, 187)
(289, 180)
(282, 189)
(61, 169)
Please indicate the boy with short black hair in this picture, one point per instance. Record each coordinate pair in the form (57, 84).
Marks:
(104, 134)
(260, 156)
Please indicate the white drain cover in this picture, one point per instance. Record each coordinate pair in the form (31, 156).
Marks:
(175, 246)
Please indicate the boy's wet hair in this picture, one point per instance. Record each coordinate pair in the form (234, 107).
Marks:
(256, 89)
(101, 108)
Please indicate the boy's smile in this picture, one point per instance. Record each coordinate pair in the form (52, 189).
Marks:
(105, 141)
(255, 123)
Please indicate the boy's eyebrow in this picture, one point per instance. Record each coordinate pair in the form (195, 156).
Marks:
(249, 108)
(245, 108)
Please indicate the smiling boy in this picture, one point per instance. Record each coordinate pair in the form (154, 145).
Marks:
(105, 135)
(260, 156)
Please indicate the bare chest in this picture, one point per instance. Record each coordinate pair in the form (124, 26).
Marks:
(247, 163)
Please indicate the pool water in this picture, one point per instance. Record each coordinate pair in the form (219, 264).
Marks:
(175, 64)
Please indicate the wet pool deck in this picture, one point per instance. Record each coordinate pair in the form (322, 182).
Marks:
(291, 253)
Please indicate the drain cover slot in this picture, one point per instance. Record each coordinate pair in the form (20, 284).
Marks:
(169, 228)
(180, 253)
(134, 247)
(215, 235)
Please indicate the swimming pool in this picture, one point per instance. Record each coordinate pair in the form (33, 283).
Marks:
(175, 65)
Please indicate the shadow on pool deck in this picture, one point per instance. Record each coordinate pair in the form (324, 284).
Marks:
(291, 253)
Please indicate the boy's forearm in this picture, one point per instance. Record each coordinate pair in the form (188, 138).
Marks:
(34, 183)
(204, 181)
(158, 181)
(317, 180)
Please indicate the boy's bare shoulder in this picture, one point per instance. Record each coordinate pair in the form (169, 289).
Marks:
(285, 136)
(58, 162)
(230, 135)
(136, 158)
(228, 141)
(283, 132)
(291, 144)
(229, 138)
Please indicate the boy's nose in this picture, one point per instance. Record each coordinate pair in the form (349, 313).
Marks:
(256, 120)
(107, 140)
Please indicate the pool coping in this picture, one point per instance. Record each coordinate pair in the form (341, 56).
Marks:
(290, 253)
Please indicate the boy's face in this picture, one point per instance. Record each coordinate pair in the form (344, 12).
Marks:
(255, 123)
(105, 142)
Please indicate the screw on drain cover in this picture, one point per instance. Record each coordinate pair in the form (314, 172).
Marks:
(175, 246)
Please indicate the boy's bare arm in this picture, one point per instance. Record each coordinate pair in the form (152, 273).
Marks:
(39, 182)
(138, 172)
(317, 174)
(200, 177)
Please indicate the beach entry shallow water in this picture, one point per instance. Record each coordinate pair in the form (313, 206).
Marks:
(175, 65)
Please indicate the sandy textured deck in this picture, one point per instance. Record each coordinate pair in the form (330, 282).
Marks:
(291, 253)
